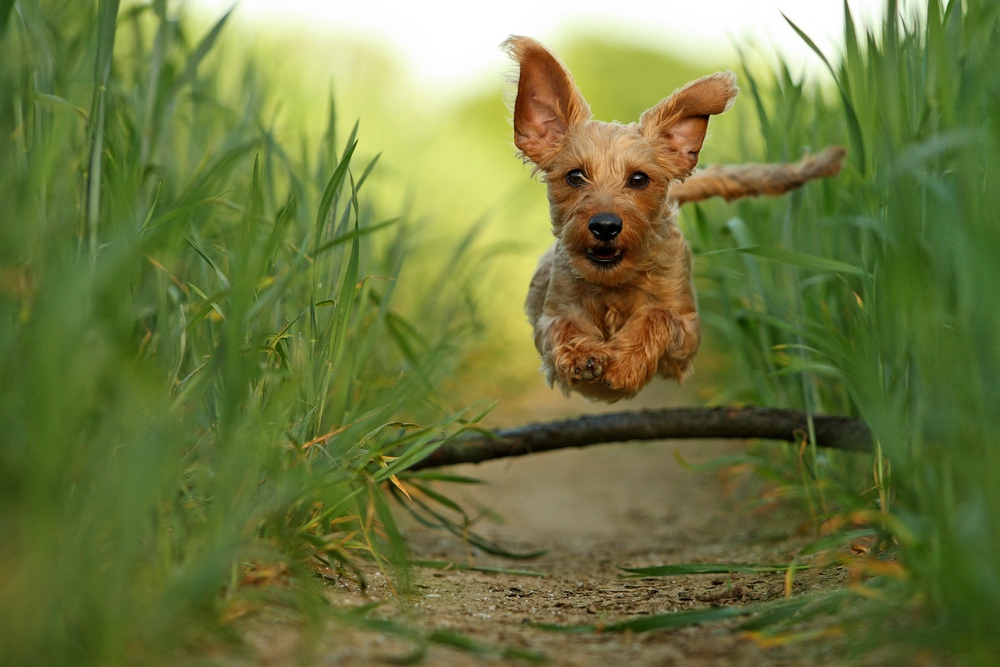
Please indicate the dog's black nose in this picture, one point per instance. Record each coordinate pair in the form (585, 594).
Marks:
(605, 226)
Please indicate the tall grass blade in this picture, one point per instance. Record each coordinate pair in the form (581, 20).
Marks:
(107, 21)
(332, 186)
(190, 70)
(345, 304)
(6, 9)
(853, 124)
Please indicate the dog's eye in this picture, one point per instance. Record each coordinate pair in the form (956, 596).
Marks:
(638, 180)
(576, 178)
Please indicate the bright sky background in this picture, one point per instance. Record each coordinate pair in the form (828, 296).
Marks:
(450, 43)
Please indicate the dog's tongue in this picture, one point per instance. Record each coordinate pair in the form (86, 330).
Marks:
(604, 253)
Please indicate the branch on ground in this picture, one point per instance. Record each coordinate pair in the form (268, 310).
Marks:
(832, 431)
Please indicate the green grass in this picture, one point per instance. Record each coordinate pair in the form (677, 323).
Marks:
(906, 334)
(204, 365)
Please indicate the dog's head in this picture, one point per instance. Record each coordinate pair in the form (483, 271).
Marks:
(608, 182)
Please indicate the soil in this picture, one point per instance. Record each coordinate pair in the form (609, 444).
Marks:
(593, 509)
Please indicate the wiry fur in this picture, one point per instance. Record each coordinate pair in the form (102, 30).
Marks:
(747, 180)
(605, 328)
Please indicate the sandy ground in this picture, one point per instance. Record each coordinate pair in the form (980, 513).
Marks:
(594, 509)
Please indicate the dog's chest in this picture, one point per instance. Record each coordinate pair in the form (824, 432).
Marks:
(611, 311)
(613, 321)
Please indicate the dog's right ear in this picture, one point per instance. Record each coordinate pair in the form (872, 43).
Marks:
(548, 105)
(679, 123)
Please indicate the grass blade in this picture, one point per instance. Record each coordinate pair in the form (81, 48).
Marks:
(354, 234)
(223, 280)
(345, 304)
(55, 100)
(332, 186)
(791, 258)
(107, 19)
(681, 569)
(368, 170)
(204, 46)
(677, 619)
(853, 125)
(450, 565)
(6, 8)
(431, 475)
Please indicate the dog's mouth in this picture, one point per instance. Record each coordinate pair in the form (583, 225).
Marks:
(604, 255)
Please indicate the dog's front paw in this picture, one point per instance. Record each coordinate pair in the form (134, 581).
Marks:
(677, 360)
(677, 364)
(576, 364)
(628, 372)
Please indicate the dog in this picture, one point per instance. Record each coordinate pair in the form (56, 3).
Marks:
(612, 303)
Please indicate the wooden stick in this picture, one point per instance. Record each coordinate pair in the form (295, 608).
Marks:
(832, 431)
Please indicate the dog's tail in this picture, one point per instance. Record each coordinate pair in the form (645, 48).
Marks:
(750, 180)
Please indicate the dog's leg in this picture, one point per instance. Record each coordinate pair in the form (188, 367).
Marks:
(572, 350)
(539, 287)
(676, 362)
(653, 340)
(572, 347)
(749, 180)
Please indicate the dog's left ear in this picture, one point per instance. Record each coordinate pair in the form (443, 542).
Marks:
(681, 121)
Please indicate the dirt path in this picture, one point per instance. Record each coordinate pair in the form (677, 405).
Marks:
(593, 509)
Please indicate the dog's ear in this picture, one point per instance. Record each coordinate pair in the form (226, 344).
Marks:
(548, 105)
(681, 120)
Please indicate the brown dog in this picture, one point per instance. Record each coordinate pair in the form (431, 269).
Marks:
(611, 302)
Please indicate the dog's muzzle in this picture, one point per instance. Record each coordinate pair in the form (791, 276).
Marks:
(605, 227)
